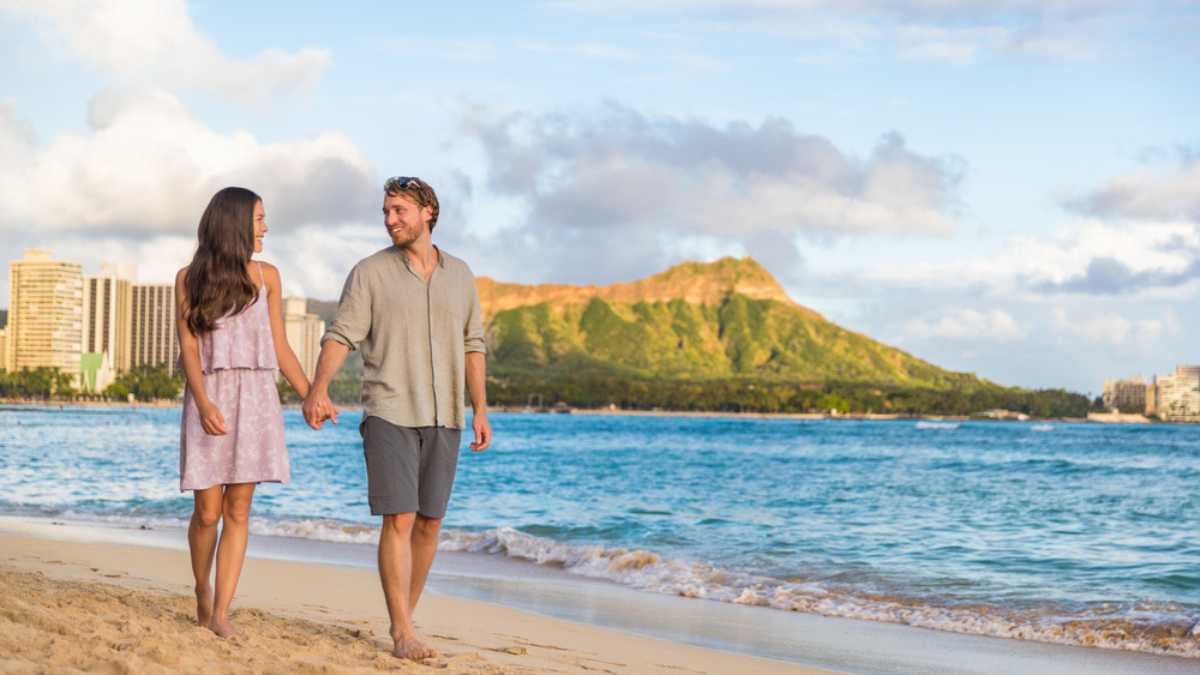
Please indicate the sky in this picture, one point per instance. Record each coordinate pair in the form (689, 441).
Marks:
(1005, 187)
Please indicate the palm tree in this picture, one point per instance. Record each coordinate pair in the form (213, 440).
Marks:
(63, 384)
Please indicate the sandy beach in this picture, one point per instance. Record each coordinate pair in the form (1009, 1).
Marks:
(82, 606)
(86, 599)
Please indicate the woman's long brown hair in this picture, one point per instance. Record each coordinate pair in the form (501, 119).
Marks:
(217, 282)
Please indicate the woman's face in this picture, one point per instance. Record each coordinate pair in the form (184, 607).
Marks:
(260, 225)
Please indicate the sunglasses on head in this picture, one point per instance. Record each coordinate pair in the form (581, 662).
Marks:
(401, 183)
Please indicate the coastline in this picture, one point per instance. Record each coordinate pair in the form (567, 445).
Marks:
(621, 412)
(131, 611)
(486, 616)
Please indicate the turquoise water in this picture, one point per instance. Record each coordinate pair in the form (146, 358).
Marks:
(1076, 533)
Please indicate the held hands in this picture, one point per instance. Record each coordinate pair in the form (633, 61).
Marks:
(318, 408)
(483, 433)
(211, 419)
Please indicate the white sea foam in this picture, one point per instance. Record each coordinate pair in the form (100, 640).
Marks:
(1158, 629)
(317, 529)
(1164, 629)
(924, 424)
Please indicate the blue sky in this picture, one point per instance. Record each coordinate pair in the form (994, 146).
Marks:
(1006, 187)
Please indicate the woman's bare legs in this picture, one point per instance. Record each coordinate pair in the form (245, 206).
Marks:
(231, 552)
(202, 543)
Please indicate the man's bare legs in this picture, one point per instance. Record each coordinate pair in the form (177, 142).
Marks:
(424, 547)
(396, 575)
(231, 553)
(202, 543)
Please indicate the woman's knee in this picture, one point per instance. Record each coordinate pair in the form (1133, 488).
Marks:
(236, 510)
(207, 516)
(206, 511)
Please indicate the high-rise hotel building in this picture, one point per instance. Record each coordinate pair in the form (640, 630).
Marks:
(107, 303)
(1178, 395)
(152, 331)
(45, 313)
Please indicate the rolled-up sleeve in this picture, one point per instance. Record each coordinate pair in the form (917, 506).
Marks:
(473, 332)
(353, 321)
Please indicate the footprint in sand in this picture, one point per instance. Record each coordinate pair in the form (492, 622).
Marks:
(514, 650)
(527, 643)
(683, 668)
(607, 663)
(586, 667)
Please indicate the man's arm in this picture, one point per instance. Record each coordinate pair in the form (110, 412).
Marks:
(317, 406)
(350, 326)
(477, 388)
(475, 346)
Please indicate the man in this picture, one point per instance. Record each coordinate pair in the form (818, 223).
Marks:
(413, 311)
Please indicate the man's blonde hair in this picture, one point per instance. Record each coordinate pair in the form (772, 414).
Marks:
(416, 189)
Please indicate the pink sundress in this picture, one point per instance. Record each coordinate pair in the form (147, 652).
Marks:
(239, 366)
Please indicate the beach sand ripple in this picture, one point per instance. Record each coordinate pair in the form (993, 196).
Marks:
(63, 626)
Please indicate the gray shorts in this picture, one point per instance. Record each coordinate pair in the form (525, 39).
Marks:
(409, 469)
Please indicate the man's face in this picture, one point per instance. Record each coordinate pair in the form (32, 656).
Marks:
(406, 221)
(260, 225)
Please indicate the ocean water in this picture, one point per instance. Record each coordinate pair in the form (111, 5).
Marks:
(1070, 533)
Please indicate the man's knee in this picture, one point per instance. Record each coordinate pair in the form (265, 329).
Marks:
(426, 528)
(400, 524)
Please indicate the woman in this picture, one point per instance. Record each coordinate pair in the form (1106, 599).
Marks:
(232, 340)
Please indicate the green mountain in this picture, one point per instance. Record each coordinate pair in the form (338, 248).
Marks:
(695, 321)
(708, 336)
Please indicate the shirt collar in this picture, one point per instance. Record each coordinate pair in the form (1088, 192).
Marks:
(440, 257)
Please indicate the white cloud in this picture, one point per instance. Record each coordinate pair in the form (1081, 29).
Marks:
(602, 178)
(951, 31)
(1112, 329)
(914, 7)
(149, 166)
(1063, 261)
(966, 325)
(1147, 194)
(591, 50)
(957, 45)
(155, 43)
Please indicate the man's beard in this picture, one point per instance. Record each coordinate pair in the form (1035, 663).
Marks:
(403, 241)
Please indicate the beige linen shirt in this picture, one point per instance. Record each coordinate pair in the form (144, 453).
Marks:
(413, 336)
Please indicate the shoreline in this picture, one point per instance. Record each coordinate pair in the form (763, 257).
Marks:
(131, 610)
(620, 412)
(288, 569)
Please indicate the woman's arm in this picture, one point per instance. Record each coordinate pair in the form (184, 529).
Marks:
(189, 349)
(289, 365)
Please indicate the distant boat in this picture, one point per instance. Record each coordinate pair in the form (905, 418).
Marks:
(924, 424)
(1042, 427)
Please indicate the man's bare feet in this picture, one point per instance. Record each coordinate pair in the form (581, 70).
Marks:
(222, 627)
(204, 605)
(412, 648)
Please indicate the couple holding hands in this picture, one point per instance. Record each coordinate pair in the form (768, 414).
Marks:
(411, 309)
